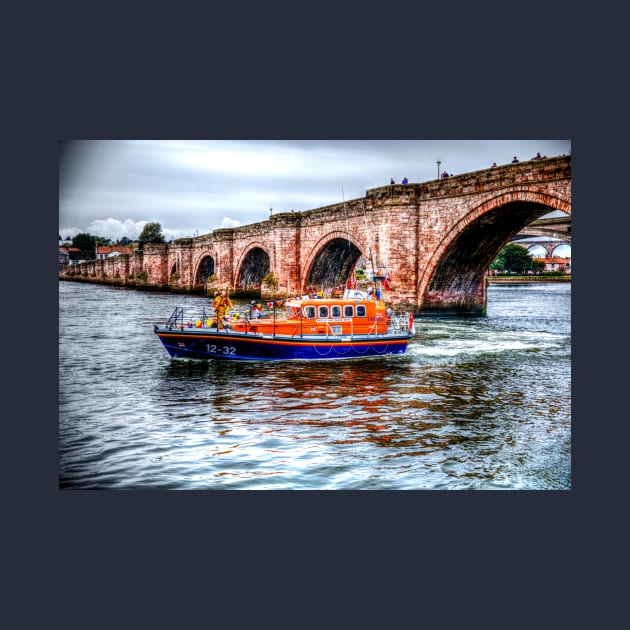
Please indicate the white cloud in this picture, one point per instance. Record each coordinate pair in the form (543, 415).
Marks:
(190, 186)
(115, 229)
(69, 233)
(229, 223)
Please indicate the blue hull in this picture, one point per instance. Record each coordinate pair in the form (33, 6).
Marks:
(205, 345)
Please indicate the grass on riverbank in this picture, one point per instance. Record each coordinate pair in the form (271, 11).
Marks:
(507, 279)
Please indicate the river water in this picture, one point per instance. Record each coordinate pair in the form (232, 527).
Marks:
(481, 403)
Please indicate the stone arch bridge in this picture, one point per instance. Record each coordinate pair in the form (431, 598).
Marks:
(549, 246)
(436, 240)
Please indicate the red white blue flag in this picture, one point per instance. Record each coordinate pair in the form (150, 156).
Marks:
(386, 282)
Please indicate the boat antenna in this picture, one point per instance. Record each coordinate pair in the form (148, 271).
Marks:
(367, 238)
(345, 212)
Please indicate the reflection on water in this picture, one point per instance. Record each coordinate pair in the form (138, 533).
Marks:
(474, 404)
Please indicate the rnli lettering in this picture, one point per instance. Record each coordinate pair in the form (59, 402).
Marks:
(336, 320)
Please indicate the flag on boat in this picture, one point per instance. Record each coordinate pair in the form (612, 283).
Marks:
(386, 282)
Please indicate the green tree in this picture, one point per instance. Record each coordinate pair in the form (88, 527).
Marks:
(271, 281)
(514, 258)
(151, 233)
(84, 242)
(538, 265)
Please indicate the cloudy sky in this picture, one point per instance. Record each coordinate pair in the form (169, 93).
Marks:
(112, 188)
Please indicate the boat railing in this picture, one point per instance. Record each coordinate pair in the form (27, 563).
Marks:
(401, 321)
(176, 319)
(183, 317)
(190, 317)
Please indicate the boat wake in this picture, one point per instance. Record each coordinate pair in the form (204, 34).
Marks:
(479, 343)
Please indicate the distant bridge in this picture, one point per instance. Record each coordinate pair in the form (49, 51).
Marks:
(436, 239)
(556, 227)
(548, 246)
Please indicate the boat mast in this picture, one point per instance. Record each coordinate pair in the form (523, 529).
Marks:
(374, 274)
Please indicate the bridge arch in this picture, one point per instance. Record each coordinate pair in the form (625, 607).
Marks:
(548, 247)
(173, 263)
(559, 244)
(454, 279)
(253, 265)
(204, 269)
(331, 260)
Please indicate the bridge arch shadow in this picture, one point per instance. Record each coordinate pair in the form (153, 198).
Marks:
(252, 268)
(205, 269)
(332, 261)
(454, 280)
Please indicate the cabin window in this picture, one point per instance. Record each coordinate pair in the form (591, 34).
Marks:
(361, 310)
(309, 311)
(348, 310)
(335, 311)
(323, 311)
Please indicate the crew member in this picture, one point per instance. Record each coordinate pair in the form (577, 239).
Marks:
(222, 304)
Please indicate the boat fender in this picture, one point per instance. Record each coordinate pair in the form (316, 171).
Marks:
(410, 321)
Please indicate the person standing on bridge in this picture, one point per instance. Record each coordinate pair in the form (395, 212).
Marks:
(515, 160)
(391, 181)
(405, 180)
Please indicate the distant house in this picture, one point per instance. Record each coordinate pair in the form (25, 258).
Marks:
(107, 251)
(73, 255)
(556, 263)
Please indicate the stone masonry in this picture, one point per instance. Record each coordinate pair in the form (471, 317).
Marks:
(436, 239)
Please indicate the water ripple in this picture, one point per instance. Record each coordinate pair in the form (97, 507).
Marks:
(471, 405)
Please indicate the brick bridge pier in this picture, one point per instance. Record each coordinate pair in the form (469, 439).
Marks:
(436, 239)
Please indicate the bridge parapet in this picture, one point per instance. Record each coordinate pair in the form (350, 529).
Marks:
(504, 176)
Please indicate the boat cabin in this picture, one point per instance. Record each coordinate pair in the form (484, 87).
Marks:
(355, 313)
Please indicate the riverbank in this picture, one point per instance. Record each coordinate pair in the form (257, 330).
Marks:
(526, 279)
